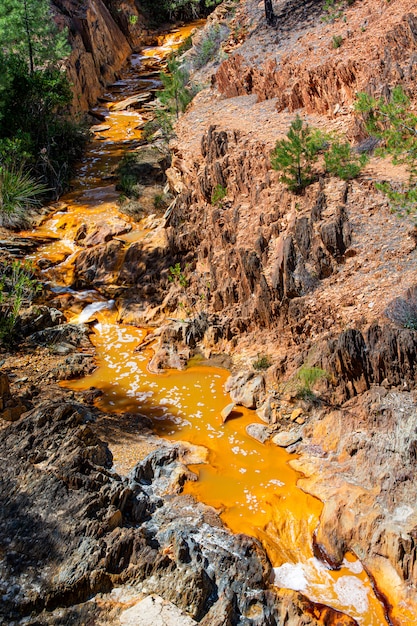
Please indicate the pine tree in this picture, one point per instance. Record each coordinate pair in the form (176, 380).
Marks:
(394, 123)
(28, 29)
(295, 155)
(175, 95)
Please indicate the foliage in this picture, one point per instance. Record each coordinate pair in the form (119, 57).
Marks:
(172, 10)
(206, 50)
(127, 177)
(403, 311)
(27, 29)
(173, 98)
(262, 362)
(18, 287)
(35, 133)
(333, 11)
(208, 47)
(218, 194)
(307, 377)
(163, 122)
(187, 44)
(159, 201)
(18, 192)
(295, 155)
(337, 41)
(396, 126)
(176, 275)
(176, 95)
(341, 161)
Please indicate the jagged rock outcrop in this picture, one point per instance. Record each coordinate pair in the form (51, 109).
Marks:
(72, 528)
(382, 355)
(254, 270)
(323, 78)
(101, 34)
(367, 484)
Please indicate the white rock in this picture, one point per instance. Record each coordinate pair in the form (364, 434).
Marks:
(154, 611)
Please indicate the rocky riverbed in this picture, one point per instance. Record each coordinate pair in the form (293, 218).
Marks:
(305, 282)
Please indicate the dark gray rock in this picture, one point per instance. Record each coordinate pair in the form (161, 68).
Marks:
(75, 335)
(71, 529)
(38, 318)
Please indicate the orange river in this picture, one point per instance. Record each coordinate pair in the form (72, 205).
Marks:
(250, 484)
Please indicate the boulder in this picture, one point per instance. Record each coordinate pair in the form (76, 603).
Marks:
(246, 389)
(132, 102)
(37, 318)
(74, 335)
(260, 432)
(286, 438)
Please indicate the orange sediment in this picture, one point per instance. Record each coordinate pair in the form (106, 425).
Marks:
(249, 483)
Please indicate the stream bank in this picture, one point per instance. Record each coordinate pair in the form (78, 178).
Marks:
(350, 354)
(82, 542)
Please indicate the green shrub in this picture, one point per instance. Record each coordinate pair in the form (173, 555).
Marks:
(177, 276)
(163, 122)
(18, 193)
(307, 377)
(187, 44)
(176, 10)
(341, 161)
(262, 362)
(208, 47)
(176, 95)
(333, 11)
(159, 201)
(35, 132)
(127, 177)
(295, 155)
(218, 194)
(18, 287)
(337, 41)
(395, 125)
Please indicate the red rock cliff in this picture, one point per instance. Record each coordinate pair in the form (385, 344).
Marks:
(102, 34)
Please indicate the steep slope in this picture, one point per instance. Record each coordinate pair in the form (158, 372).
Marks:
(307, 278)
(101, 34)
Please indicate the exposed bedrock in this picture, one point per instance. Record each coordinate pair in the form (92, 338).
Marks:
(372, 58)
(72, 528)
(361, 461)
(259, 247)
(382, 355)
(101, 36)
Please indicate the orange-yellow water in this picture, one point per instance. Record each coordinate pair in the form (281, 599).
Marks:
(251, 484)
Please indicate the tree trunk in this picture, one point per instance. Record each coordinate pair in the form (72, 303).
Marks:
(269, 13)
(29, 38)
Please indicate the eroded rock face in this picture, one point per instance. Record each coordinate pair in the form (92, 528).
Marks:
(71, 528)
(367, 482)
(253, 271)
(383, 354)
(318, 79)
(101, 36)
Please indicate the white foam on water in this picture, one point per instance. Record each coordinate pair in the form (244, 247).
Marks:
(275, 481)
(355, 567)
(351, 592)
(290, 576)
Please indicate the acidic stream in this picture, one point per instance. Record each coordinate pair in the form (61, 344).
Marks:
(251, 484)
